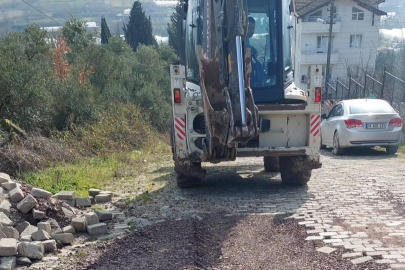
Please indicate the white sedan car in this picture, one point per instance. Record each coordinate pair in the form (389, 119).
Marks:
(361, 123)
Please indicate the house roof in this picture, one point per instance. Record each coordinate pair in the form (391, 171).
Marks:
(305, 7)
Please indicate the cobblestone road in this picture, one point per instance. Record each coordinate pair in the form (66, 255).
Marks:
(355, 201)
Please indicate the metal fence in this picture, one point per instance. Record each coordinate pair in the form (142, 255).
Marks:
(388, 87)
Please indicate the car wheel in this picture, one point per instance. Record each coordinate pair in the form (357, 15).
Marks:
(337, 150)
(391, 150)
(322, 145)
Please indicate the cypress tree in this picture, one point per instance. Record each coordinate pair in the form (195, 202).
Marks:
(174, 29)
(105, 31)
(139, 28)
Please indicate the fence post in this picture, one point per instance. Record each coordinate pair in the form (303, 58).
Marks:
(383, 83)
(393, 91)
(336, 94)
(350, 82)
(365, 85)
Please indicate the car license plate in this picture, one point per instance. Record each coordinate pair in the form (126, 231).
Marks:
(374, 126)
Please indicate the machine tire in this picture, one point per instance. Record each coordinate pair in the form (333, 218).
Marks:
(391, 150)
(189, 176)
(271, 164)
(294, 171)
(322, 145)
(337, 150)
(172, 137)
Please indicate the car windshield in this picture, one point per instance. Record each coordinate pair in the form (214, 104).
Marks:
(370, 106)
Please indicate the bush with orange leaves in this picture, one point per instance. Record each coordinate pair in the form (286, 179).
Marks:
(60, 64)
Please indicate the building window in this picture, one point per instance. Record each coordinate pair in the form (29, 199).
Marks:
(323, 42)
(315, 16)
(355, 41)
(357, 14)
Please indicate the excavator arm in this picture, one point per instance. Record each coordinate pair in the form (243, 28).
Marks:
(231, 115)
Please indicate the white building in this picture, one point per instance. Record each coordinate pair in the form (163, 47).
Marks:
(355, 37)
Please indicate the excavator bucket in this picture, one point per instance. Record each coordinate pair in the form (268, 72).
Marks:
(230, 112)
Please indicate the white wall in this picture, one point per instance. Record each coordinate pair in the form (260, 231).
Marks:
(364, 56)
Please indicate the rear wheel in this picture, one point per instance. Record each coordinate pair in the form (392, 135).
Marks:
(294, 170)
(189, 175)
(391, 150)
(322, 145)
(337, 150)
(271, 164)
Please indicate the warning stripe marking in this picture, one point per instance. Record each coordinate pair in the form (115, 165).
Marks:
(315, 124)
(180, 127)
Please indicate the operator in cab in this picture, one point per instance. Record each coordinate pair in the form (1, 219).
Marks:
(249, 35)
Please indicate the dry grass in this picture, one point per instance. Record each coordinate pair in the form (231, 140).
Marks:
(34, 153)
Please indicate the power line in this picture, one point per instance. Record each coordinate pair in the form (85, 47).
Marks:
(77, 34)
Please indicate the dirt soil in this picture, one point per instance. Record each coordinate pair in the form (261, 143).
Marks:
(216, 242)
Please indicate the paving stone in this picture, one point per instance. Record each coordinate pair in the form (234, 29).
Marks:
(5, 206)
(8, 247)
(27, 204)
(9, 185)
(29, 231)
(40, 235)
(91, 218)
(326, 249)
(45, 226)
(103, 198)
(40, 193)
(8, 263)
(68, 212)
(352, 254)
(83, 201)
(22, 226)
(376, 253)
(25, 238)
(330, 241)
(361, 260)
(103, 215)
(397, 266)
(93, 192)
(79, 223)
(4, 220)
(64, 238)
(96, 229)
(23, 261)
(54, 226)
(69, 229)
(65, 195)
(16, 195)
(32, 250)
(38, 215)
(49, 245)
(310, 238)
(71, 203)
(383, 261)
(9, 232)
(4, 177)
(328, 233)
(393, 256)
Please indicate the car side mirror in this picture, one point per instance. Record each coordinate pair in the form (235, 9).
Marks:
(323, 116)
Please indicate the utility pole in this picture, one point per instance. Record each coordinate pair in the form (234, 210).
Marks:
(331, 22)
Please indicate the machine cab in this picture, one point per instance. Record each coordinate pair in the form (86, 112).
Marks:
(268, 36)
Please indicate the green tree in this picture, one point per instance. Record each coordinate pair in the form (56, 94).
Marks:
(139, 28)
(105, 31)
(174, 29)
(75, 33)
(26, 76)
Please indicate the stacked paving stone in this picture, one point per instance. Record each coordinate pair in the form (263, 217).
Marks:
(22, 243)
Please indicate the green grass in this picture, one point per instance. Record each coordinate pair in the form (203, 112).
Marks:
(401, 149)
(96, 172)
(78, 176)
